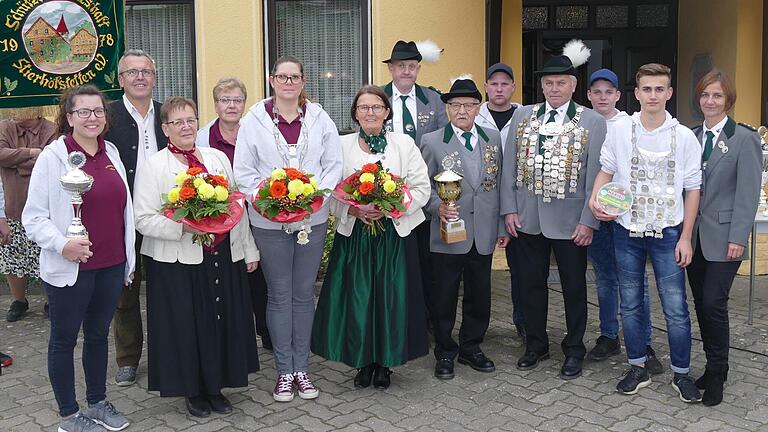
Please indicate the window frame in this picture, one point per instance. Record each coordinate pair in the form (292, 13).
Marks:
(193, 26)
(270, 42)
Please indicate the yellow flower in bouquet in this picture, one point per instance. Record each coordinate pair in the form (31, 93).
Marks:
(313, 182)
(173, 194)
(197, 182)
(389, 186)
(182, 177)
(278, 174)
(296, 187)
(206, 191)
(308, 189)
(367, 178)
(221, 193)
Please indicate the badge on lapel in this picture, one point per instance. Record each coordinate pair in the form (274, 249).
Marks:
(723, 148)
(423, 118)
(452, 161)
(491, 160)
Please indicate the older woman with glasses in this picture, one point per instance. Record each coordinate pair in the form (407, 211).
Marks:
(287, 130)
(371, 310)
(731, 158)
(229, 96)
(200, 331)
(83, 277)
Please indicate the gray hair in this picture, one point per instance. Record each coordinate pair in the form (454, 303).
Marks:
(135, 53)
(229, 83)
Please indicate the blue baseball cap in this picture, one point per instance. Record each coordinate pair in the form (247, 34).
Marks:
(604, 74)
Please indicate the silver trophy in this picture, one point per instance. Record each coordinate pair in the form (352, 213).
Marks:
(763, 132)
(76, 182)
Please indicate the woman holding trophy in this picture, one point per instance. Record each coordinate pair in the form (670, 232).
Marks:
(83, 272)
(371, 309)
(731, 161)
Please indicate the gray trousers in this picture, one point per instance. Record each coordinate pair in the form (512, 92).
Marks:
(290, 270)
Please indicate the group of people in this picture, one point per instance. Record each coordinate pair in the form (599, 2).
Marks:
(529, 177)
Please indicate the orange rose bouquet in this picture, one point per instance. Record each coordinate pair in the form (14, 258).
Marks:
(289, 195)
(205, 202)
(373, 186)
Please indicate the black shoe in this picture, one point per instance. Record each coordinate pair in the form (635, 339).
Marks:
(571, 368)
(652, 364)
(521, 332)
(220, 404)
(46, 310)
(198, 406)
(701, 382)
(604, 347)
(478, 361)
(363, 377)
(17, 310)
(381, 377)
(635, 379)
(530, 360)
(444, 369)
(713, 391)
(686, 389)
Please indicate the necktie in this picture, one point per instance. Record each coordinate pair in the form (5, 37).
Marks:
(708, 146)
(467, 140)
(408, 126)
(551, 119)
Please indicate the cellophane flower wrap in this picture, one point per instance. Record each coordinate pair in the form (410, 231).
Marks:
(374, 187)
(205, 202)
(288, 195)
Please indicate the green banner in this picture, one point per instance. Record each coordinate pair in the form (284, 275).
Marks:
(47, 46)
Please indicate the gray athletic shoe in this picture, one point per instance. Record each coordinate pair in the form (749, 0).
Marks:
(105, 414)
(126, 376)
(79, 423)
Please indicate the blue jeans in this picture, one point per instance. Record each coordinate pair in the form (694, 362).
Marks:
(514, 284)
(603, 259)
(631, 254)
(90, 302)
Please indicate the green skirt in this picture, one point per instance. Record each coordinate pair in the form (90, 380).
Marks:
(371, 307)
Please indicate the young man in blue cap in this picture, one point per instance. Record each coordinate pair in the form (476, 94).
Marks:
(496, 113)
(604, 93)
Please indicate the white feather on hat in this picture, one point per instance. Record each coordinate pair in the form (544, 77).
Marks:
(461, 77)
(576, 51)
(429, 51)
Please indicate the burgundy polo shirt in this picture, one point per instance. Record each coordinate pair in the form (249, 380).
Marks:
(290, 130)
(103, 208)
(217, 141)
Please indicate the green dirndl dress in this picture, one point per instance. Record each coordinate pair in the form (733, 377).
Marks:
(371, 307)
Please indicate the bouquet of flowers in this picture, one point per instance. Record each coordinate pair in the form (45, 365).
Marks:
(374, 187)
(289, 195)
(204, 202)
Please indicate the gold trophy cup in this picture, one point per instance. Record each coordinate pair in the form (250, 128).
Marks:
(449, 190)
(76, 182)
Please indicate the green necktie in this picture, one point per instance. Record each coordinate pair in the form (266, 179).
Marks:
(708, 146)
(408, 119)
(551, 119)
(467, 140)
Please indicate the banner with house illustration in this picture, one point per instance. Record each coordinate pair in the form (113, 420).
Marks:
(47, 46)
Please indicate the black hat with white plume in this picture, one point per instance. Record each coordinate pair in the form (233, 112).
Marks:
(575, 54)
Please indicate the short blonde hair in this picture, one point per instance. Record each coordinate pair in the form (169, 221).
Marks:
(229, 83)
(653, 69)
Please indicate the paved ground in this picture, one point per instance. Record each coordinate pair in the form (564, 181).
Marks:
(507, 400)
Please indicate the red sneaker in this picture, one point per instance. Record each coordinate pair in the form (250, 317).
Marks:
(283, 388)
(5, 360)
(307, 390)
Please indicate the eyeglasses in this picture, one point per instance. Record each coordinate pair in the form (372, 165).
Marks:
(455, 106)
(283, 79)
(377, 109)
(180, 123)
(86, 112)
(234, 101)
(402, 67)
(133, 73)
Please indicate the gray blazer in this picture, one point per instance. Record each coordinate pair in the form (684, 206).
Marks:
(556, 219)
(430, 111)
(479, 202)
(730, 191)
